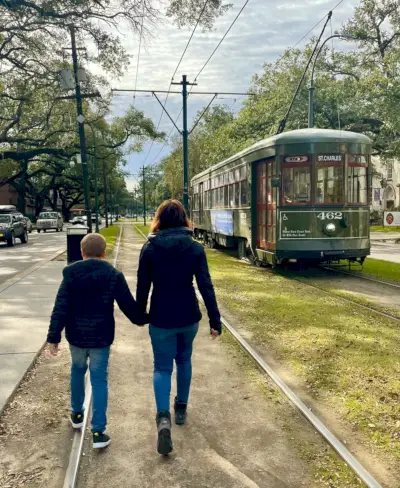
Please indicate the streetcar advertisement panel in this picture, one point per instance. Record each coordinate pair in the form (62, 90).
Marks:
(323, 224)
(222, 222)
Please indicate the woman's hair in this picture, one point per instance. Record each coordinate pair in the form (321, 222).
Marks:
(170, 214)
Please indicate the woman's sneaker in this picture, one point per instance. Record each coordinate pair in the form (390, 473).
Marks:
(100, 440)
(180, 412)
(77, 420)
(164, 443)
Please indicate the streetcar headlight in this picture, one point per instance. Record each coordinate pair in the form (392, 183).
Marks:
(330, 228)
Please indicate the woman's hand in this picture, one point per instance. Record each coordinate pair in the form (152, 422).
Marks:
(214, 333)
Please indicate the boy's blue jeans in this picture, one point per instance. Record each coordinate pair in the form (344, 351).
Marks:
(169, 345)
(98, 368)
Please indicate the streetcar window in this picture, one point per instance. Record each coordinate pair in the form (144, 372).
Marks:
(231, 196)
(357, 188)
(226, 196)
(237, 174)
(296, 185)
(237, 194)
(330, 184)
(231, 177)
(243, 192)
(243, 173)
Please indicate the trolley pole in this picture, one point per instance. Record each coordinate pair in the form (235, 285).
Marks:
(81, 128)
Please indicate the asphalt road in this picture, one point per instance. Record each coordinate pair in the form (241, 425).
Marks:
(22, 256)
(386, 251)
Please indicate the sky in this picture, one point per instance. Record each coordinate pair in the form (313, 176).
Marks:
(261, 34)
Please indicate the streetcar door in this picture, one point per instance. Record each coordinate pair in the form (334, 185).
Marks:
(266, 205)
(262, 205)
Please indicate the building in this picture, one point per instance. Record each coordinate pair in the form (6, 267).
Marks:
(385, 185)
(9, 196)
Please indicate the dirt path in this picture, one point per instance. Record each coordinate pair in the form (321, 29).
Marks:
(234, 438)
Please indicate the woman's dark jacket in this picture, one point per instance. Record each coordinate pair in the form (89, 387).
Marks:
(169, 261)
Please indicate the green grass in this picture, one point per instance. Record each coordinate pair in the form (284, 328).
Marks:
(111, 235)
(380, 228)
(346, 356)
(384, 270)
(144, 228)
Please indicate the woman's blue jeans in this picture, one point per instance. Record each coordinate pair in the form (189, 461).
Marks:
(98, 368)
(169, 345)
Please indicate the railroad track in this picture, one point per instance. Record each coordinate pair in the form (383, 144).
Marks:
(332, 440)
(71, 476)
(362, 277)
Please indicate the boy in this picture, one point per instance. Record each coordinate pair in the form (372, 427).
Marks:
(85, 307)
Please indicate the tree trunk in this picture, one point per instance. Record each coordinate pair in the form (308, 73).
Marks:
(21, 204)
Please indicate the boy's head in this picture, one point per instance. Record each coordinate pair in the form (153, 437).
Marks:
(93, 246)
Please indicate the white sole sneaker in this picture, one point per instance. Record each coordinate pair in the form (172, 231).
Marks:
(76, 425)
(101, 445)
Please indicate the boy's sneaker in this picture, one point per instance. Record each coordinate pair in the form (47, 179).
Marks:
(164, 443)
(100, 440)
(77, 420)
(180, 412)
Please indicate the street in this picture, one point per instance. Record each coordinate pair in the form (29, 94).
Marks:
(386, 251)
(22, 256)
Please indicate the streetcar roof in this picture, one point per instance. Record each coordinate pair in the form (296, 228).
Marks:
(300, 136)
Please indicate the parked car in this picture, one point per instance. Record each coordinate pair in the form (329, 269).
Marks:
(49, 220)
(28, 224)
(79, 219)
(94, 219)
(12, 227)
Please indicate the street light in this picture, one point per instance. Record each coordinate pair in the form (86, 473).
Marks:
(311, 89)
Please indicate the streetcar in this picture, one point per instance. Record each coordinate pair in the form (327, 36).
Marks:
(302, 195)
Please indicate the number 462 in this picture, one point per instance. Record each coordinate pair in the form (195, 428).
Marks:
(330, 215)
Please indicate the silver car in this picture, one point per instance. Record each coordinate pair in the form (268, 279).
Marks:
(28, 223)
(49, 220)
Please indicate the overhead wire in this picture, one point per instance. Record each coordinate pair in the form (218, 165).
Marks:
(202, 69)
(176, 69)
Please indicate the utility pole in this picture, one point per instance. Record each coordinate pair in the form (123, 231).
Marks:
(144, 193)
(185, 136)
(81, 127)
(105, 191)
(96, 177)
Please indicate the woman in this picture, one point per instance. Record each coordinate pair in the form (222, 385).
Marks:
(169, 261)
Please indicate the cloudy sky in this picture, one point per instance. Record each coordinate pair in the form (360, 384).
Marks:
(262, 32)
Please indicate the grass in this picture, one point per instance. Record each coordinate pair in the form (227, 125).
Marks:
(380, 228)
(384, 270)
(111, 235)
(144, 228)
(346, 356)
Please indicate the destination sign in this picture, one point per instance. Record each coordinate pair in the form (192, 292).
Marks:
(330, 158)
(358, 158)
(296, 159)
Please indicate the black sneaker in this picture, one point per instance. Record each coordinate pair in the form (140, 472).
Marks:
(77, 420)
(100, 440)
(180, 412)
(164, 444)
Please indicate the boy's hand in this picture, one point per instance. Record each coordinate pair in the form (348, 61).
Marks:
(53, 348)
(214, 333)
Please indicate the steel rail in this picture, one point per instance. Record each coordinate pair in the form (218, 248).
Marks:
(363, 277)
(71, 475)
(332, 440)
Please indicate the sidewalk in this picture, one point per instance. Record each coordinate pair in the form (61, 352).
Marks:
(385, 236)
(240, 432)
(25, 308)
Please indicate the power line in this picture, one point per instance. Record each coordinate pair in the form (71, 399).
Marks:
(176, 69)
(317, 24)
(222, 40)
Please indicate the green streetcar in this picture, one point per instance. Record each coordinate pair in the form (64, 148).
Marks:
(300, 195)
